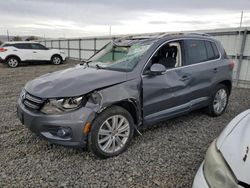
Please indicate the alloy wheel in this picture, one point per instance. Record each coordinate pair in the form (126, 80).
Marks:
(113, 134)
(220, 101)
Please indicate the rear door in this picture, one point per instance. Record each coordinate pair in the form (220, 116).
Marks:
(202, 63)
(23, 50)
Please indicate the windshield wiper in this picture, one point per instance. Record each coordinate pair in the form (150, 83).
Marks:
(83, 62)
(99, 67)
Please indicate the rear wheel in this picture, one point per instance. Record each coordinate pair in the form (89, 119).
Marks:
(13, 62)
(56, 60)
(111, 132)
(219, 100)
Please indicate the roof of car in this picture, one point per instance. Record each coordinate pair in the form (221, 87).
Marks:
(17, 42)
(130, 40)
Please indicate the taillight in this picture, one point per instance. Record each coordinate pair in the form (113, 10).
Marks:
(3, 49)
(231, 64)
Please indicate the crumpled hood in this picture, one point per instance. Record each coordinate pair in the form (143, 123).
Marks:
(234, 144)
(74, 81)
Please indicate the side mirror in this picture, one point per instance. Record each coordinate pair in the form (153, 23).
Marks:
(157, 69)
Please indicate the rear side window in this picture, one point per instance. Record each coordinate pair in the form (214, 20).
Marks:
(195, 51)
(22, 46)
(6, 45)
(212, 50)
(216, 52)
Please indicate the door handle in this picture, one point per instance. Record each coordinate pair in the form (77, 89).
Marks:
(34, 52)
(215, 70)
(184, 78)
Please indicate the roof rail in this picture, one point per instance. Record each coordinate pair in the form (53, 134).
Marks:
(184, 33)
(202, 34)
(170, 33)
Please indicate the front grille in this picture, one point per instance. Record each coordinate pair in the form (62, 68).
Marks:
(33, 102)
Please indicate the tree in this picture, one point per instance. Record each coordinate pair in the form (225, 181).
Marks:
(17, 38)
(31, 38)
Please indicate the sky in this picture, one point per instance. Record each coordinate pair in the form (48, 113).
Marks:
(80, 18)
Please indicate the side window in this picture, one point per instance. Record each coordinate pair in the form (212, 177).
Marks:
(216, 52)
(37, 46)
(6, 45)
(168, 55)
(212, 51)
(22, 46)
(195, 51)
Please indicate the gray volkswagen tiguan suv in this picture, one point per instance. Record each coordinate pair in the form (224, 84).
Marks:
(128, 84)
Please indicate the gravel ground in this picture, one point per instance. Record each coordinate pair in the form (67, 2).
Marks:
(166, 155)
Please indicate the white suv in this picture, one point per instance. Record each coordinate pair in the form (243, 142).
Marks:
(13, 53)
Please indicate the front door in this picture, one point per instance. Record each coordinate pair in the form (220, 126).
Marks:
(167, 94)
(40, 52)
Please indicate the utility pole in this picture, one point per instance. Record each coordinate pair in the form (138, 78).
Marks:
(8, 36)
(239, 54)
(110, 30)
(241, 18)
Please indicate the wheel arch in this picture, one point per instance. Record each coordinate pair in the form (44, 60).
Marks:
(227, 83)
(131, 106)
(56, 54)
(12, 55)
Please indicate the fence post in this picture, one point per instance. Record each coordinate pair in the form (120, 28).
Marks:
(68, 49)
(94, 45)
(59, 44)
(80, 49)
(242, 48)
(51, 43)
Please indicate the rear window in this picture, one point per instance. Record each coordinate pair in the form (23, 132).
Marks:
(195, 51)
(200, 50)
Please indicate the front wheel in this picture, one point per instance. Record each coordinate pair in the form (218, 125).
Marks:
(111, 132)
(219, 100)
(56, 60)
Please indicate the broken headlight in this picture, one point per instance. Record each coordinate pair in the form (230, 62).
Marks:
(57, 106)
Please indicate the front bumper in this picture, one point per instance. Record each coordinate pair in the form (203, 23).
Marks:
(47, 125)
(199, 180)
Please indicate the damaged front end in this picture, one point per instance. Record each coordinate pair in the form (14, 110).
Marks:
(67, 120)
(62, 106)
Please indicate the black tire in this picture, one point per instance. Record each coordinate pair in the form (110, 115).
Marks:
(56, 60)
(13, 62)
(211, 109)
(94, 136)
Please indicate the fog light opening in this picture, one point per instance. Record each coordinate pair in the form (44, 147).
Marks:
(63, 132)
